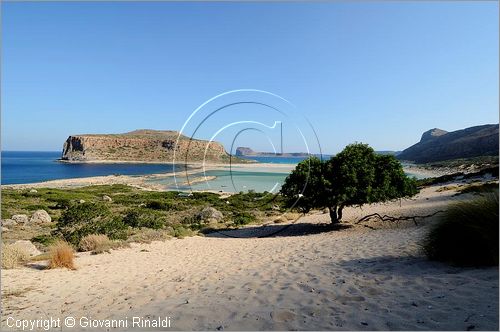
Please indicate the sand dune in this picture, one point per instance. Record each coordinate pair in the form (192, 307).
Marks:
(306, 277)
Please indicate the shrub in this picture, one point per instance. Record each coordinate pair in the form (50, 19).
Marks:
(90, 218)
(97, 243)
(61, 203)
(251, 200)
(114, 228)
(160, 205)
(34, 207)
(143, 218)
(466, 234)
(44, 239)
(243, 218)
(83, 213)
(61, 255)
(479, 189)
(13, 255)
(181, 232)
(147, 235)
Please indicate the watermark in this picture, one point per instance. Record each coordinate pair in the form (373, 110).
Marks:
(236, 118)
(84, 322)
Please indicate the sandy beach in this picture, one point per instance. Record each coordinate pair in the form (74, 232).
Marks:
(307, 276)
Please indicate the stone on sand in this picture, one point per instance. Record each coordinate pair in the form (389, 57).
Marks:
(27, 246)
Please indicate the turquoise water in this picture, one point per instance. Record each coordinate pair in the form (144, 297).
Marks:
(258, 180)
(284, 160)
(225, 181)
(236, 181)
(29, 167)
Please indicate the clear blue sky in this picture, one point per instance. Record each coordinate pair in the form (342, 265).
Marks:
(380, 73)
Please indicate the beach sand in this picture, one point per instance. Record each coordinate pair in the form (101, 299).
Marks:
(306, 277)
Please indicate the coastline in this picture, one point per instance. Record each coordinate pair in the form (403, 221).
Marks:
(154, 162)
(144, 181)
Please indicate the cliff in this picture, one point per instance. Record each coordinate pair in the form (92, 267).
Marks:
(439, 145)
(140, 145)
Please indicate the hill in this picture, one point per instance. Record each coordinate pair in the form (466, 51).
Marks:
(438, 145)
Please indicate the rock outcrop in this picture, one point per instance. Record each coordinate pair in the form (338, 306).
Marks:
(438, 145)
(141, 145)
(210, 215)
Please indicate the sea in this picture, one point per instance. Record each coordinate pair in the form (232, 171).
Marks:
(29, 167)
(19, 167)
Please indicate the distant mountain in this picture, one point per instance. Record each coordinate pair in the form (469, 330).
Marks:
(438, 145)
(243, 151)
(388, 152)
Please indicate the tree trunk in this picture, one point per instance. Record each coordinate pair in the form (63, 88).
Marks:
(333, 214)
(339, 212)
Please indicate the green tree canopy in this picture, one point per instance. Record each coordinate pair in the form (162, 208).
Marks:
(305, 188)
(355, 176)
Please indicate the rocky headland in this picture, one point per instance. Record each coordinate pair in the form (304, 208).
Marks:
(142, 146)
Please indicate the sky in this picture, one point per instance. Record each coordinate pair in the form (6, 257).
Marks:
(381, 73)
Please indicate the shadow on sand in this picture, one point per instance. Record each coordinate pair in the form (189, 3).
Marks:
(275, 230)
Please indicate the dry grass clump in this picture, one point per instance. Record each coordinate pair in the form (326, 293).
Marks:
(61, 255)
(98, 243)
(285, 217)
(147, 235)
(280, 219)
(292, 215)
(466, 234)
(13, 255)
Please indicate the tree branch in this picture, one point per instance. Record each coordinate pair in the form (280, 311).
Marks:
(400, 218)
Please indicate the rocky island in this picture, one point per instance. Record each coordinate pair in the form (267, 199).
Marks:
(243, 151)
(142, 146)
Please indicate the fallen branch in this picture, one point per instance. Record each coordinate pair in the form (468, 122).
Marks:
(392, 219)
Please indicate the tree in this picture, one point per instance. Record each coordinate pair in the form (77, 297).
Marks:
(304, 188)
(355, 176)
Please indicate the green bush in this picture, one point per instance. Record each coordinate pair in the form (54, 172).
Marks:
(90, 218)
(83, 213)
(114, 228)
(61, 203)
(466, 234)
(34, 207)
(251, 200)
(243, 218)
(143, 218)
(44, 239)
(160, 205)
